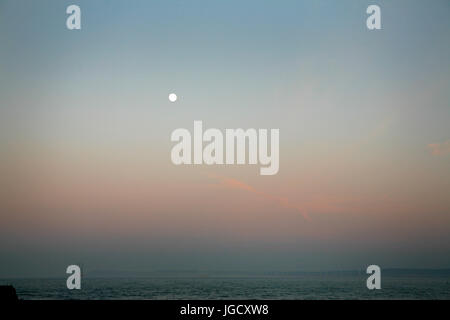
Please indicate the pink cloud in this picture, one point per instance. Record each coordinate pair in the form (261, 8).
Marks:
(438, 149)
(282, 201)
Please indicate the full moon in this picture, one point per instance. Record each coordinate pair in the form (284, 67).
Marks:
(173, 97)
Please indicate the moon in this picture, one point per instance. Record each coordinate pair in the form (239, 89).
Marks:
(173, 97)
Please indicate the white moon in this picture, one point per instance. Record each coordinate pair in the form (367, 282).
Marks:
(173, 97)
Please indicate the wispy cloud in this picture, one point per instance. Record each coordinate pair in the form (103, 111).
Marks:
(438, 149)
(282, 201)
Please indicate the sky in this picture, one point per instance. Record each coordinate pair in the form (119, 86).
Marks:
(85, 125)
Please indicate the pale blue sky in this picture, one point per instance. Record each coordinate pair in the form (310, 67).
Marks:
(309, 68)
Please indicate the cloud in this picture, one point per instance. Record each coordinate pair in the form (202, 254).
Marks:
(439, 149)
(282, 201)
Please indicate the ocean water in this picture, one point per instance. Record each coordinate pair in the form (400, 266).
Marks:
(293, 287)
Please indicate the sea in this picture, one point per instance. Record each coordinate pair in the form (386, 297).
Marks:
(321, 286)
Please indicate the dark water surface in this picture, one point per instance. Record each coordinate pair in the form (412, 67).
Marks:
(298, 287)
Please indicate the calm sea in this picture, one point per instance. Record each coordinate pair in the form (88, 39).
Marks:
(293, 287)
